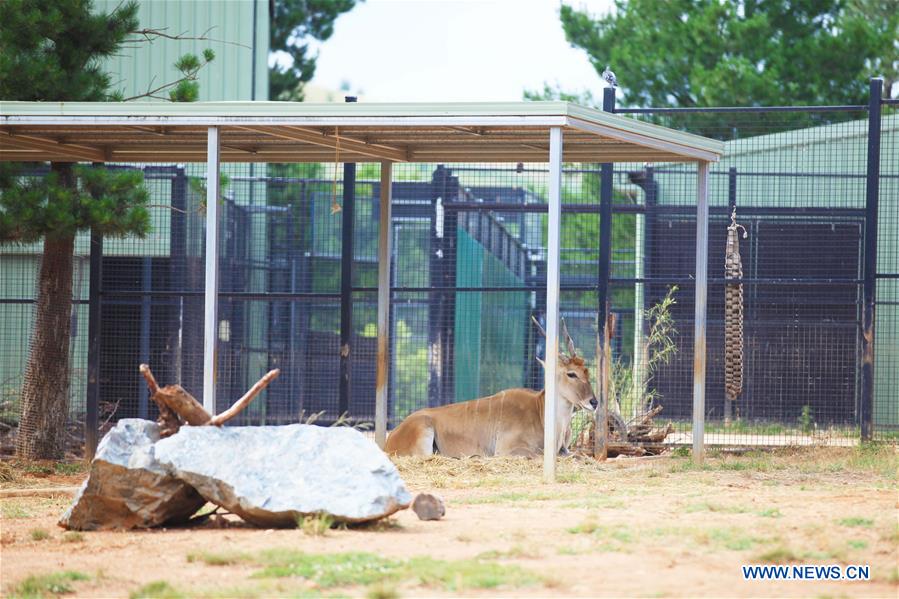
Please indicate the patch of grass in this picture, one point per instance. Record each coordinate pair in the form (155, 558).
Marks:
(39, 534)
(609, 538)
(856, 522)
(366, 569)
(217, 559)
(892, 534)
(715, 507)
(158, 589)
(733, 539)
(857, 544)
(72, 536)
(778, 555)
(586, 527)
(770, 513)
(515, 552)
(514, 497)
(13, 511)
(315, 525)
(381, 591)
(595, 503)
(41, 585)
(327, 570)
(460, 575)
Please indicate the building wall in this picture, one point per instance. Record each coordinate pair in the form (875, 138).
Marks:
(240, 69)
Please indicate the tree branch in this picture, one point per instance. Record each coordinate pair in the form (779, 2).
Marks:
(150, 35)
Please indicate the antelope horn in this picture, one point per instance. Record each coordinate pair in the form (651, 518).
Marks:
(571, 351)
(537, 324)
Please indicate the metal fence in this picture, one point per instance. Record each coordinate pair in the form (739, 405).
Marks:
(298, 284)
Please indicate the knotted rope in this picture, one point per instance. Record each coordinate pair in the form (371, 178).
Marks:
(733, 314)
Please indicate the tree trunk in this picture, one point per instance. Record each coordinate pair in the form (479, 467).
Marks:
(45, 391)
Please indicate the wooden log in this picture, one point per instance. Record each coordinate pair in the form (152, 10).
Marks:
(616, 448)
(660, 434)
(646, 418)
(184, 404)
(168, 421)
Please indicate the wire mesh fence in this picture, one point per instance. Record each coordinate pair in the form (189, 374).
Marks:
(469, 273)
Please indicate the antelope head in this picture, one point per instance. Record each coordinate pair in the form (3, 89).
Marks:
(572, 375)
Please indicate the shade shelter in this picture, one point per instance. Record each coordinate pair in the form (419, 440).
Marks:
(553, 132)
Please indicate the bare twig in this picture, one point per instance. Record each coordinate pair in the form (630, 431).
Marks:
(150, 35)
(244, 401)
(112, 412)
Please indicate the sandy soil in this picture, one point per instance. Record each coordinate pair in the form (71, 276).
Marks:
(660, 527)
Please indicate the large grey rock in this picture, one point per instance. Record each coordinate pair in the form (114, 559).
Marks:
(127, 487)
(270, 475)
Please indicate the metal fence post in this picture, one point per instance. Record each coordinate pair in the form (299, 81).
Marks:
(601, 417)
(699, 318)
(92, 416)
(383, 357)
(346, 282)
(872, 191)
(553, 251)
(211, 287)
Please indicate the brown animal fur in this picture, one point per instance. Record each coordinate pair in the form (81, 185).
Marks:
(507, 423)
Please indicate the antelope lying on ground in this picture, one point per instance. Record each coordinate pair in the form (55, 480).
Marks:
(508, 423)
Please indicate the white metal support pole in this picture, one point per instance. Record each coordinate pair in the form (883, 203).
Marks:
(210, 330)
(699, 348)
(552, 304)
(384, 252)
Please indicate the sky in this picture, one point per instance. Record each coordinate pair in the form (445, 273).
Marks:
(454, 50)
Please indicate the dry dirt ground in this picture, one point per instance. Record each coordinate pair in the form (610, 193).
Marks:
(651, 528)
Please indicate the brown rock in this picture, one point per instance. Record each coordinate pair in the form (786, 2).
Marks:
(127, 488)
(428, 507)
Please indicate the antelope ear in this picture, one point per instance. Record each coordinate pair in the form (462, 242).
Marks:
(542, 363)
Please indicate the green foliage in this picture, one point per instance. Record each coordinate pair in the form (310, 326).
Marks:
(294, 25)
(53, 51)
(39, 534)
(71, 199)
(366, 569)
(635, 396)
(857, 522)
(158, 589)
(37, 586)
(315, 525)
(187, 89)
(807, 419)
(747, 53)
(217, 559)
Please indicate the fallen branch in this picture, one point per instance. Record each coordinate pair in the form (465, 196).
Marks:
(244, 401)
(178, 407)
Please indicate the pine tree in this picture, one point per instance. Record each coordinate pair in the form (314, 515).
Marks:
(293, 24)
(54, 51)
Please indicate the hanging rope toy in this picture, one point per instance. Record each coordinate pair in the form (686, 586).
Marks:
(733, 318)
(335, 207)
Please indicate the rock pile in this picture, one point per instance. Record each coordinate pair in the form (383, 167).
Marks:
(268, 475)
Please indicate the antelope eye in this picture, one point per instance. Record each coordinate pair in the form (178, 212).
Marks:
(572, 375)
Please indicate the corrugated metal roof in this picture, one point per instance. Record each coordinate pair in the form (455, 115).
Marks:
(300, 132)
